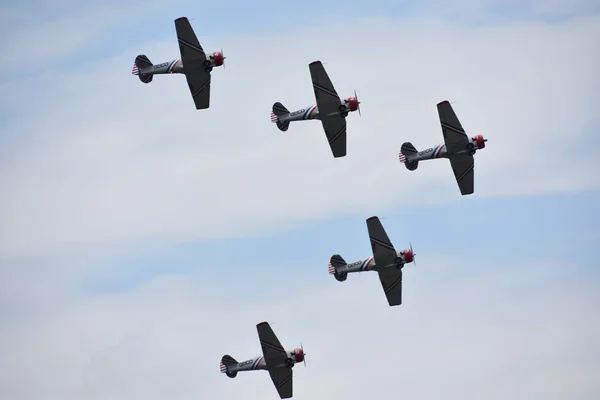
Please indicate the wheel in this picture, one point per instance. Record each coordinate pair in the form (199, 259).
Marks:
(344, 114)
(342, 107)
(289, 363)
(471, 152)
(398, 260)
(207, 63)
(207, 69)
(470, 146)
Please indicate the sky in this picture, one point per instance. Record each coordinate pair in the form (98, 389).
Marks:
(141, 239)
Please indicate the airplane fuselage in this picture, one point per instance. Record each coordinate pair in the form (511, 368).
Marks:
(176, 66)
(368, 264)
(437, 151)
(440, 150)
(312, 112)
(171, 67)
(258, 362)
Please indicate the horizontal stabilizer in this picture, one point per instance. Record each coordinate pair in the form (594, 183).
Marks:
(336, 262)
(279, 109)
(407, 151)
(226, 361)
(142, 62)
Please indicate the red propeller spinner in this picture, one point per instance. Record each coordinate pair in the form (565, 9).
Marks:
(219, 58)
(409, 255)
(480, 141)
(354, 103)
(299, 354)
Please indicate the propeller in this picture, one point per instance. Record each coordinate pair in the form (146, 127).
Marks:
(357, 103)
(304, 358)
(223, 57)
(414, 255)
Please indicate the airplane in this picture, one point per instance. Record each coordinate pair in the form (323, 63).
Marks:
(457, 147)
(385, 260)
(194, 63)
(330, 109)
(275, 359)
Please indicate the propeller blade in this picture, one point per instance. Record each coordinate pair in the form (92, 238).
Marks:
(357, 102)
(413, 253)
(304, 354)
(223, 57)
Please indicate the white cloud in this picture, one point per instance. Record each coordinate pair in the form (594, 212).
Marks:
(106, 159)
(513, 330)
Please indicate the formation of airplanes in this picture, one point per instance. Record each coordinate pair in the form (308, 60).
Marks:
(197, 65)
(330, 109)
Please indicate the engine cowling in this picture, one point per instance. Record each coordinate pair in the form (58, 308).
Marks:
(298, 355)
(218, 58)
(480, 141)
(408, 256)
(352, 103)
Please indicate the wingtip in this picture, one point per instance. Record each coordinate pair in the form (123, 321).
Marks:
(372, 218)
(181, 19)
(315, 62)
(262, 323)
(443, 102)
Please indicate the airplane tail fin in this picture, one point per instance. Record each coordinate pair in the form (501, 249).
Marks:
(336, 261)
(407, 151)
(279, 110)
(226, 361)
(142, 62)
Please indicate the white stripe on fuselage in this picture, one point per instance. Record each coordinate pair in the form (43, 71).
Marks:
(438, 151)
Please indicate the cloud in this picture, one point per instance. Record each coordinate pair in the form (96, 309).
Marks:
(104, 159)
(511, 330)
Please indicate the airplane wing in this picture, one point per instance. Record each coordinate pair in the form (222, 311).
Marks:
(329, 102)
(383, 250)
(391, 281)
(454, 135)
(385, 254)
(193, 57)
(273, 351)
(282, 379)
(456, 141)
(463, 166)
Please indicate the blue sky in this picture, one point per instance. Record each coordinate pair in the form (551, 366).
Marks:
(141, 239)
